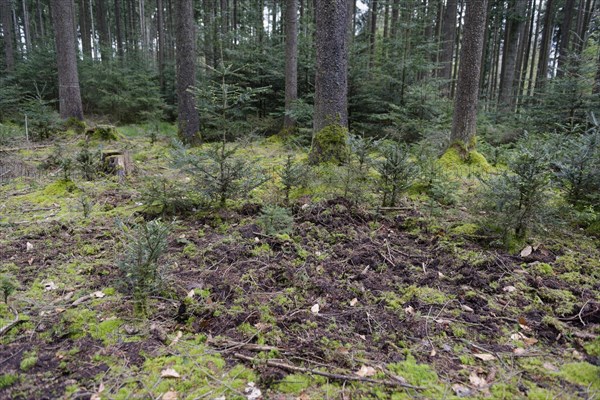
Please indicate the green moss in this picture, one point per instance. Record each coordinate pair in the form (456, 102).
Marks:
(415, 374)
(28, 361)
(505, 391)
(424, 294)
(542, 269)
(593, 348)
(330, 144)
(452, 160)
(296, 383)
(7, 380)
(541, 394)
(103, 132)
(582, 373)
(62, 187)
(89, 249)
(563, 301)
(593, 229)
(465, 229)
(190, 250)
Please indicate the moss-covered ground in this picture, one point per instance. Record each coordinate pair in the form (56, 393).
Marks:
(414, 300)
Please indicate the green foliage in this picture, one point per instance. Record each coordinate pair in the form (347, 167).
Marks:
(275, 220)
(74, 124)
(29, 360)
(578, 168)
(8, 285)
(330, 145)
(126, 92)
(218, 173)
(88, 162)
(164, 196)
(145, 244)
(86, 204)
(396, 172)
(7, 380)
(516, 200)
(292, 175)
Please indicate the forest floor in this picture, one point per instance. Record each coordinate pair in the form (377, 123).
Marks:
(354, 303)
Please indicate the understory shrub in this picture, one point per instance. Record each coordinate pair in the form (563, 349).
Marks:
(275, 220)
(397, 172)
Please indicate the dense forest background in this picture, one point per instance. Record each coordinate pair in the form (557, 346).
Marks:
(539, 70)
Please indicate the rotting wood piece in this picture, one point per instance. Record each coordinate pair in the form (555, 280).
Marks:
(117, 162)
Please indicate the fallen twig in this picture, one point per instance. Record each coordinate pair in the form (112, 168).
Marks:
(14, 323)
(341, 377)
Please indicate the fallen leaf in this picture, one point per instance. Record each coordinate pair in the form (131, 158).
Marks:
(477, 380)
(30, 261)
(526, 251)
(577, 355)
(178, 336)
(303, 396)
(252, 392)
(524, 325)
(363, 337)
(484, 356)
(409, 310)
(99, 294)
(443, 321)
(550, 367)
(315, 309)
(29, 246)
(262, 326)
(170, 395)
(366, 371)
(353, 302)
(433, 353)
(466, 308)
(530, 341)
(169, 373)
(440, 275)
(50, 286)
(519, 351)
(517, 336)
(509, 289)
(191, 294)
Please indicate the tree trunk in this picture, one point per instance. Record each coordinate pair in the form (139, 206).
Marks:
(161, 43)
(84, 28)
(118, 23)
(512, 39)
(395, 18)
(188, 120)
(449, 38)
(542, 72)
(331, 78)
(7, 34)
(372, 32)
(68, 78)
(464, 124)
(104, 41)
(291, 60)
(565, 36)
(26, 27)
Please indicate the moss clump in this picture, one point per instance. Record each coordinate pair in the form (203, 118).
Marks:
(424, 294)
(296, 383)
(330, 144)
(62, 187)
(563, 300)
(465, 229)
(103, 132)
(474, 161)
(7, 380)
(75, 124)
(28, 361)
(415, 374)
(582, 373)
(542, 269)
(593, 348)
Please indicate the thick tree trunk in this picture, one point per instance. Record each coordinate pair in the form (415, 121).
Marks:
(449, 38)
(118, 23)
(331, 78)
(104, 41)
(7, 34)
(512, 40)
(464, 124)
(291, 60)
(68, 79)
(188, 119)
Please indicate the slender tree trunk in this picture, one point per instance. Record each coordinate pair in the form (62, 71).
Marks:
(104, 41)
(26, 26)
(514, 30)
(395, 18)
(161, 43)
(68, 79)
(331, 78)
(525, 51)
(84, 28)
(118, 23)
(372, 32)
(464, 124)
(542, 71)
(291, 60)
(459, 30)
(565, 36)
(7, 34)
(189, 123)
(449, 39)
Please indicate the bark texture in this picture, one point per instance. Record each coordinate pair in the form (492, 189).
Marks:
(464, 122)
(68, 78)
(188, 119)
(7, 34)
(514, 30)
(291, 60)
(448, 38)
(331, 78)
